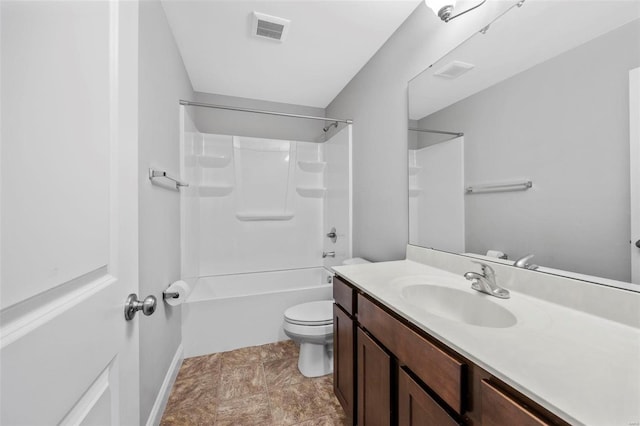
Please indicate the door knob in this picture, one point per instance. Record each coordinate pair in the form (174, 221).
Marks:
(638, 243)
(133, 305)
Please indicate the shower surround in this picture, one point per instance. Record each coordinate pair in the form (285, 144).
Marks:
(254, 224)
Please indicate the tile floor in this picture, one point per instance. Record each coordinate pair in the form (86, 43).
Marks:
(260, 385)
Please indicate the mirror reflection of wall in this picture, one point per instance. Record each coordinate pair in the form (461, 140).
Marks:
(436, 202)
(562, 122)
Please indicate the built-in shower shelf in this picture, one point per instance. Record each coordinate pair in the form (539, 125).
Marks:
(214, 190)
(264, 216)
(312, 166)
(213, 161)
(414, 170)
(414, 192)
(311, 192)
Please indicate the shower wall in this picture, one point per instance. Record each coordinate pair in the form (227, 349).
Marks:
(338, 199)
(258, 204)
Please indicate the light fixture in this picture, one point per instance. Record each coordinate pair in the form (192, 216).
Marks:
(444, 8)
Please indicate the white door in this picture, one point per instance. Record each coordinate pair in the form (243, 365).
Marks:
(634, 133)
(69, 213)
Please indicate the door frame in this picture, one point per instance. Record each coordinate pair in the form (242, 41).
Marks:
(634, 149)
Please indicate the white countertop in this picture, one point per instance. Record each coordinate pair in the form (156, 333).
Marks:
(581, 367)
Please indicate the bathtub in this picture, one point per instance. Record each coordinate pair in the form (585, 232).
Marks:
(228, 312)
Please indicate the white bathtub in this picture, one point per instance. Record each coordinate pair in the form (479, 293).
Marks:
(234, 311)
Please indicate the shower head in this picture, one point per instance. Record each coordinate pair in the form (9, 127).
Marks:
(334, 124)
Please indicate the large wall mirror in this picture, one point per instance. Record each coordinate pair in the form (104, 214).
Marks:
(521, 142)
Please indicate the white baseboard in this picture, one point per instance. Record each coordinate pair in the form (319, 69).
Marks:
(165, 390)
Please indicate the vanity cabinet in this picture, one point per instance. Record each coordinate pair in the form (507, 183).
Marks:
(387, 371)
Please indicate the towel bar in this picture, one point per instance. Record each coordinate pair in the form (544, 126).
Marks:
(153, 174)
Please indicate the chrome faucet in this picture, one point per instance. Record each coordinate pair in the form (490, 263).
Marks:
(328, 254)
(486, 282)
(523, 262)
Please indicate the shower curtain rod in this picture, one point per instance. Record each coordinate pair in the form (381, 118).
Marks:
(260, 111)
(436, 131)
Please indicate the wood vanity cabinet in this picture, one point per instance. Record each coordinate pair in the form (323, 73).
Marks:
(389, 372)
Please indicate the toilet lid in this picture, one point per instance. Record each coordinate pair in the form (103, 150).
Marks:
(312, 313)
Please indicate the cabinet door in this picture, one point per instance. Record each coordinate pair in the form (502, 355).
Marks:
(416, 407)
(374, 383)
(343, 361)
(500, 409)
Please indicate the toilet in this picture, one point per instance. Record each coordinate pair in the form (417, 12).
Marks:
(311, 325)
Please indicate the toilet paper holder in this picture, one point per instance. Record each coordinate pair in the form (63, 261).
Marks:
(176, 293)
(170, 295)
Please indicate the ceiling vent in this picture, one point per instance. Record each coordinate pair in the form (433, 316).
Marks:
(453, 70)
(271, 27)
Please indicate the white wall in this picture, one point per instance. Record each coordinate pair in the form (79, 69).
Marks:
(162, 82)
(566, 127)
(376, 99)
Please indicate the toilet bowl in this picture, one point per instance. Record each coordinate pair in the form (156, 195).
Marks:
(311, 325)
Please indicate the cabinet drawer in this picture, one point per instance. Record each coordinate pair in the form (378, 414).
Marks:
(416, 407)
(343, 294)
(436, 368)
(499, 409)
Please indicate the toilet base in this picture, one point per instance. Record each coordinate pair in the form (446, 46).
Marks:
(315, 360)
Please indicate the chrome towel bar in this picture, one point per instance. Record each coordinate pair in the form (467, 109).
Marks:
(153, 174)
(499, 187)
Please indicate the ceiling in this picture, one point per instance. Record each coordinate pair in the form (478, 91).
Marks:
(524, 37)
(327, 44)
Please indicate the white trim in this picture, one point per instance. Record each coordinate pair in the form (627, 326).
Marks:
(165, 390)
(350, 236)
(634, 150)
(31, 318)
(89, 400)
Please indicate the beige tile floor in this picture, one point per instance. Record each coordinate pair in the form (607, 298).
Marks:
(260, 385)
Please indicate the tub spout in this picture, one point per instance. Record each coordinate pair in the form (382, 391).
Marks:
(328, 254)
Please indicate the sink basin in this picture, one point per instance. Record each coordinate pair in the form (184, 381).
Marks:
(457, 305)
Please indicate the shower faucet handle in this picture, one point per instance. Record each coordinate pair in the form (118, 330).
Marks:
(333, 235)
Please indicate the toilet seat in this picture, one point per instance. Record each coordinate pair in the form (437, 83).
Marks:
(310, 314)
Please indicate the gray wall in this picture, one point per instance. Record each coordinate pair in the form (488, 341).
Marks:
(209, 120)
(376, 99)
(162, 82)
(564, 124)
